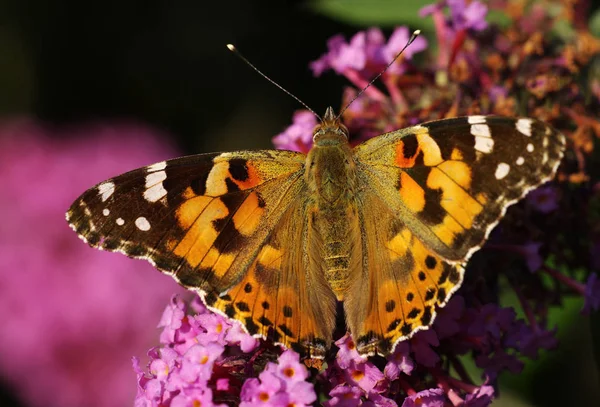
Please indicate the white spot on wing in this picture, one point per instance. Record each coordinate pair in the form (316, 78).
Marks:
(480, 130)
(476, 119)
(105, 212)
(502, 170)
(520, 161)
(530, 147)
(524, 126)
(155, 190)
(484, 144)
(120, 221)
(142, 224)
(106, 189)
(157, 167)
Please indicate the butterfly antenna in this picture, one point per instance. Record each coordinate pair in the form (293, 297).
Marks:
(233, 49)
(413, 37)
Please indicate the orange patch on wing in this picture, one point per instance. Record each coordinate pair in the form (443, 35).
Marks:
(247, 218)
(398, 246)
(252, 180)
(190, 209)
(461, 206)
(482, 198)
(411, 193)
(432, 155)
(218, 262)
(201, 234)
(215, 182)
(458, 171)
(420, 254)
(402, 161)
(448, 230)
(270, 257)
(379, 316)
(456, 155)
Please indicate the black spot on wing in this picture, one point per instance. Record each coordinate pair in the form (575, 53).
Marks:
(265, 321)
(410, 145)
(444, 275)
(430, 294)
(242, 306)
(432, 213)
(210, 298)
(441, 294)
(238, 168)
(231, 185)
(426, 318)
(430, 262)
(393, 325)
(250, 326)
(229, 310)
(283, 328)
(198, 184)
(454, 276)
(413, 313)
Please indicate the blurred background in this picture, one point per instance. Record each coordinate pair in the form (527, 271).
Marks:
(90, 90)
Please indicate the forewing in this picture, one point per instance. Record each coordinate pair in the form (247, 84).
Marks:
(452, 180)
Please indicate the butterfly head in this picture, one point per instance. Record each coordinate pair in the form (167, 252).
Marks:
(331, 131)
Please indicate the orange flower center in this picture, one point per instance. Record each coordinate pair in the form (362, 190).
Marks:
(289, 372)
(357, 375)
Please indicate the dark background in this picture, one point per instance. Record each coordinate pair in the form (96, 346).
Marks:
(166, 64)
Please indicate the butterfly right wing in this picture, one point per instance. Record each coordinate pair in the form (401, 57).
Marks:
(210, 221)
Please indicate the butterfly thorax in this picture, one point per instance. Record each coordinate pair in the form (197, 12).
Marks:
(331, 179)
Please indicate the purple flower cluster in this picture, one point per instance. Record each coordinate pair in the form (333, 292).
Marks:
(67, 309)
(280, 384)
(191, 364)
(204, 359)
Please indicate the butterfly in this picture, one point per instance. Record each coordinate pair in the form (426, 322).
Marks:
(277, 239)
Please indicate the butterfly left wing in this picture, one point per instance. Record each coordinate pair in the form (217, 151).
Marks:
(439, 187)
(213, 222)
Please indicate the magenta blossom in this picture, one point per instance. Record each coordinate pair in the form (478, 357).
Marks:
(297, 137)
(67, 310)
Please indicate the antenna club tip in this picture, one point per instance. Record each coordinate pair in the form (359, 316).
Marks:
(231, 47)
(416, 32)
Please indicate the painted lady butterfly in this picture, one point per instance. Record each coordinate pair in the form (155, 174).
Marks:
(274, 239)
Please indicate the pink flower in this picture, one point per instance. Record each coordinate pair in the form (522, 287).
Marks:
(367, 54)
(425, 398)
(71, 314)
(298, 136)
